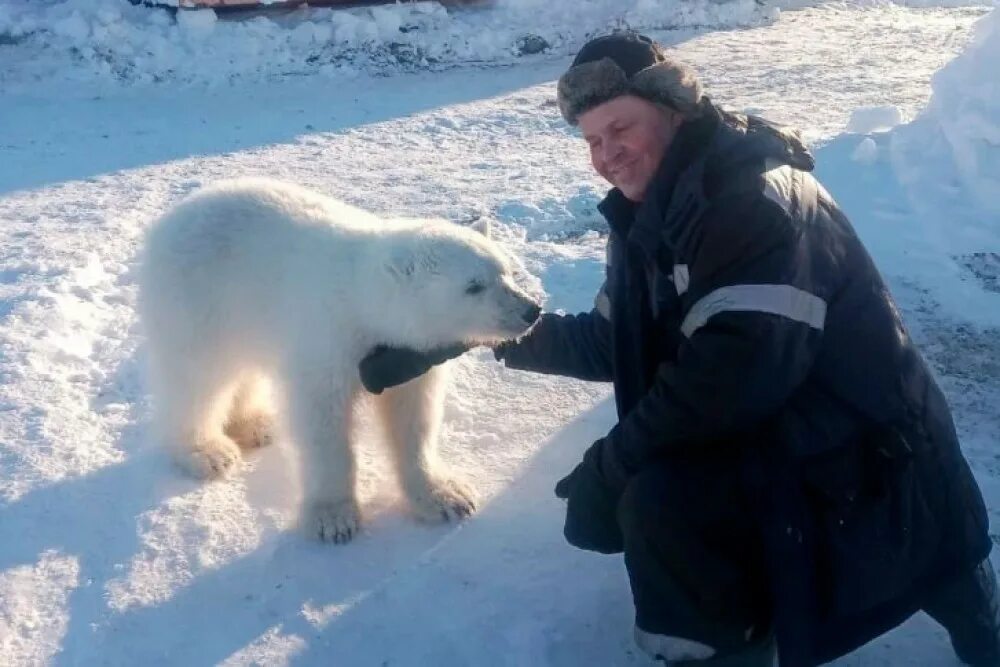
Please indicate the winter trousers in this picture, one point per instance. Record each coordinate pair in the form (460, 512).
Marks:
(695, 564)
(697, 572)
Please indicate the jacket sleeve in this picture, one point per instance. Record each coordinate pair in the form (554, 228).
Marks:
(577, 346)
(753, 322)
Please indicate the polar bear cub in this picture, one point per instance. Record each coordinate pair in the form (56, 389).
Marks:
(256, 278)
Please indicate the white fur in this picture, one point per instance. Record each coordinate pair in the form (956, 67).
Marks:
(255, 278)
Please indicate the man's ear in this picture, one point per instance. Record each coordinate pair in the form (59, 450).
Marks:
(482, 225)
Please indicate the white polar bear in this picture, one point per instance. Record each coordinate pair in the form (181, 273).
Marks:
(254, 278)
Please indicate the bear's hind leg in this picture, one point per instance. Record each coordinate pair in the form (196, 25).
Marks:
(191, 401)
(251, 419)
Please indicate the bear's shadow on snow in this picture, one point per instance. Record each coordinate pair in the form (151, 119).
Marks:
(267, 586)
(400, 588)
(61, 517)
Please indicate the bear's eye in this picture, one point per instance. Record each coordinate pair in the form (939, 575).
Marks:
(475, 288)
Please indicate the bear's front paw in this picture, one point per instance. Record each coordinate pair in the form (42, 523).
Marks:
(443, 499)
(336, 521)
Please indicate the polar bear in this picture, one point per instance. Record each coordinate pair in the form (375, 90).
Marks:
(256, 279)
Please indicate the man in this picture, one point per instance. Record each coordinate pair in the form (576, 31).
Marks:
(784, 473)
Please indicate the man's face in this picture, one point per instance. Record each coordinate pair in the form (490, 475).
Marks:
(628, 137)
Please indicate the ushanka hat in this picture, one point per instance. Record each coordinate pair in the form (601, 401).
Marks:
(626, 63)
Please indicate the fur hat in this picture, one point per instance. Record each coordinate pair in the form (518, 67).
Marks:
(626, 63)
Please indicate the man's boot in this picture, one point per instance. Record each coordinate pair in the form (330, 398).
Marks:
(759, 651)
(968, 607)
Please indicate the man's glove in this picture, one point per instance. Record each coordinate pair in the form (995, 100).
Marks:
(386, 366)
(592, 491)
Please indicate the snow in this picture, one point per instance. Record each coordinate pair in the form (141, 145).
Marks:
(947, 165)
(866, 120)
(33, 618)
(109, 555)
(866, 151)
(961, 125)
(200, 24)
(111, 42)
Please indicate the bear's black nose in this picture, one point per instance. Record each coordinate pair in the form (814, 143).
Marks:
(532, 313)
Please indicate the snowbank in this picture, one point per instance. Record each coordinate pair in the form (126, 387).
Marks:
(925, 195)
(48, 40)
(957, 137)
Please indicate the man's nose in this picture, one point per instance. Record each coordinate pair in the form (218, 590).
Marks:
(612, 149)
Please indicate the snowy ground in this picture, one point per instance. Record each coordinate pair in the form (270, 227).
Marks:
(109, 556)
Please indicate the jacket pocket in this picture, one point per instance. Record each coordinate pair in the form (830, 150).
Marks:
(870, 516)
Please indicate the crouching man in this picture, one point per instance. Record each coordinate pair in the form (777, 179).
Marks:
(784, 478)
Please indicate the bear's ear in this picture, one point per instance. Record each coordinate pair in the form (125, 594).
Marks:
(482, 225)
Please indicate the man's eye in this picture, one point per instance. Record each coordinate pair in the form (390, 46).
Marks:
(475, 288)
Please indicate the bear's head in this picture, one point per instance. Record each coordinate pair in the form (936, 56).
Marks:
(452, 283)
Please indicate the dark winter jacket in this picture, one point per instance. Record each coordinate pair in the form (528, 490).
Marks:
(742, 314)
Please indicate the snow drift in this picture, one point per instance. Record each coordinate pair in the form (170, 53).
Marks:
(114, 40)
(959, 131)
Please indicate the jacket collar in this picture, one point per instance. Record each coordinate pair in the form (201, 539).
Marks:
(619, 211)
